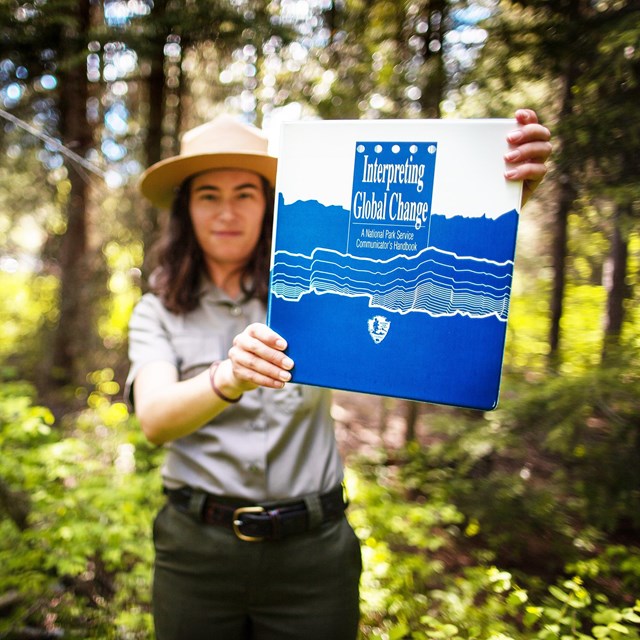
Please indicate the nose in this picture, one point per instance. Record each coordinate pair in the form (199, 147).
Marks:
(226, 209)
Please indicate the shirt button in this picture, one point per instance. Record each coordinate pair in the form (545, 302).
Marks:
(254, 468)
(235, 311)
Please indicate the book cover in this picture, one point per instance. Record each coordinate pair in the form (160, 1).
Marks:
(392, 259)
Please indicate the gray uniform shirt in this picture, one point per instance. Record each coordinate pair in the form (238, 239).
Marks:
(272, 445)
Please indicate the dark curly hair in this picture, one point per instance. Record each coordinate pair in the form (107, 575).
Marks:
(180, 261)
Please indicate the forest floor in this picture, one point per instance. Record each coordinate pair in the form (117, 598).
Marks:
(367, 424)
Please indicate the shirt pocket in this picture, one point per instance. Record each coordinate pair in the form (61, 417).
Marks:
(197, 350)
(296, 398)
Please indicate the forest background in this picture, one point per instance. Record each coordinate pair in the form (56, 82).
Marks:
(523, 522)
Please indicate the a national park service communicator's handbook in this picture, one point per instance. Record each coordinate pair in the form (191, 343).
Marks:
(393, 253)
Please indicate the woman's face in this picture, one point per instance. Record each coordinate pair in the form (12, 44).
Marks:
(227, 207)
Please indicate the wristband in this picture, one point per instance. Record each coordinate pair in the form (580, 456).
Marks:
(212, 377)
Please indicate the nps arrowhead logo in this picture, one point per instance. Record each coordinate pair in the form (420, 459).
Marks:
(378, 328)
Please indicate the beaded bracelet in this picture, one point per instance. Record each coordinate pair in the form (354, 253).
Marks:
(212, 377)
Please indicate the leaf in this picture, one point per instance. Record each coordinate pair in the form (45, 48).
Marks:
(399, 631)
(517, 597)
(607, 616)
(620, 628)
(558, 593)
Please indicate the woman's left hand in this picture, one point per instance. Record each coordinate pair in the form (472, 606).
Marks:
(531, 148)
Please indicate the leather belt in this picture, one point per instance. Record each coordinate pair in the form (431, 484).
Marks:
(257, 522)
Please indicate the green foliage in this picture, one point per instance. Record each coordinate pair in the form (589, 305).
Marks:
(83, 560)
(523, 475)
(482, 535)
(124, 262)
(587, 423)
(541, 500)
(527, 344)
(484, 468)
(389, 528)
(423, 585)
(28, 305)
(511, 525)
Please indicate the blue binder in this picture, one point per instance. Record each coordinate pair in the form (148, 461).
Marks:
(392, 258)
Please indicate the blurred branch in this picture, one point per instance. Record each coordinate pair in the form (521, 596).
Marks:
(52, 142)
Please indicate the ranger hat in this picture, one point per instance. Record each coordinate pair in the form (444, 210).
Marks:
(222, 143)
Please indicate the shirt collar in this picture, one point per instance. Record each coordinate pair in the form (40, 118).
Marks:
(208, 291)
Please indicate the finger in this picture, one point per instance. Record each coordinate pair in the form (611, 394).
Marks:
(530, 133)
(266, 335)
(531, 151)
(527, 171)
(259, 343)
(526, 116)
(238, 379)
(258, 357)
(250, 378)
(533, 132)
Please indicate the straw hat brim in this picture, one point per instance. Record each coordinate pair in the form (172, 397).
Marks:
(160, 181)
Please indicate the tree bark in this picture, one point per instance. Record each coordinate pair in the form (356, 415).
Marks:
(616, 284)
(156, 89)
(412, 412)
(433, 85)
(566, 198)
(74, 320)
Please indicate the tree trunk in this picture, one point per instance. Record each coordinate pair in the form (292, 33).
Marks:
(412, 411)
(433, 85)
(74, 320)
(616, 284)
(156, 89)
(566, 198)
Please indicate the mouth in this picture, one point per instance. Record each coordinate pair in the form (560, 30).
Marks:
(226, 233)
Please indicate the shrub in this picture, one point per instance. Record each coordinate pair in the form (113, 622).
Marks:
(82, 561)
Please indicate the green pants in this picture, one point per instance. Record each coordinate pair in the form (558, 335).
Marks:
(210, 585)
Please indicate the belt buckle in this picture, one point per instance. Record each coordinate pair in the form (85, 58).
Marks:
(237, 523)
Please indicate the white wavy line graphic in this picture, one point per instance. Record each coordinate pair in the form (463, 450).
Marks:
(459, 291)
(396, 257)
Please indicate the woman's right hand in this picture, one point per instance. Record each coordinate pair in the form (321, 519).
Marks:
(256, 359)
(168, 408)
